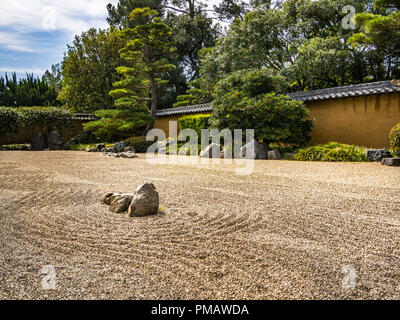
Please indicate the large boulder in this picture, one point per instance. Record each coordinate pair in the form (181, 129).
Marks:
(39, 142)
(391, 162)
(119, 146)
(254, 150)
(274, 155)
(377, 155)
(212, 151)
(121, 203)
(145, 201)
(55, 141)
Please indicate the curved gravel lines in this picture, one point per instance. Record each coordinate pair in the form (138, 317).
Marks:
(284, 232)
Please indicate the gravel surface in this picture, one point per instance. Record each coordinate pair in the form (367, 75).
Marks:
(284, 232)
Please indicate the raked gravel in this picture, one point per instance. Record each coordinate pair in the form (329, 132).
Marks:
(284, 232)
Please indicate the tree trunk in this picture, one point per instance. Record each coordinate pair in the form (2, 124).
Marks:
(153, 88)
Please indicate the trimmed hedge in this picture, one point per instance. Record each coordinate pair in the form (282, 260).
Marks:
(394, 138)
(139, 143)
(196, 122)
(332, 152)
(18, 125)
(11, 119)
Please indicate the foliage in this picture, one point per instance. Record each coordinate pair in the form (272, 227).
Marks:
(250, 83)
(27, 91)
(15, 147)
(283, 38)
(394, 138)
(85, 146)
(84, 137)
(197, 94)
(332, 152)
(118, 15)
(382, 33)
(139, 143)
(114, 124)
(89, 70)
(192, 30)
(274, 118)
(195, 122)
(53, 77)
(147, 44)
(13, 119)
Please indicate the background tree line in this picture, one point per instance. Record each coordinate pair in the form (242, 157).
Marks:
(302, 42)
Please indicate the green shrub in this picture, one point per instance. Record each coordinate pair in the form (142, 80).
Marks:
(332, 152)
(139, 143)
(15, 147)
(195, 122)
(394, 138)
(13, 119)
(84, 146)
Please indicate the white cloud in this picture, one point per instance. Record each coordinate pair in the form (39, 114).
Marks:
(20, 18)
(14, 42)
(22, 70)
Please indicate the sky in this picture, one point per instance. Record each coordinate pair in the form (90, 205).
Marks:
(34, 33)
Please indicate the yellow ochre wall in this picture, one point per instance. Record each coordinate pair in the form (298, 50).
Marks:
(364, 121)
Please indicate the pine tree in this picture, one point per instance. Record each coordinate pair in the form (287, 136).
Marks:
(146, 53)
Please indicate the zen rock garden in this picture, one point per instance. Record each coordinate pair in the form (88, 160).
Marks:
(120, 150)
(383, 156)
(252, 150)
(144, 202)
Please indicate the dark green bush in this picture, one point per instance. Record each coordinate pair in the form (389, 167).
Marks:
(139, 143)
(195, 122)
(12, 119)
(394, 138)
(15, 147)
(332, 152)
(274, 118)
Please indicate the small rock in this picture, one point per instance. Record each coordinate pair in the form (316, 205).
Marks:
(119, 146)
(254, 150)
(109, 197)
(377, 155)
(391, 162)
(129, 148)
(145, 201)
(91, 150)
(289, 155)
(110, 150)
(121, 203)
(100, 147)
(39, 142)
(212, 151)
(127, 155)
(274, 155)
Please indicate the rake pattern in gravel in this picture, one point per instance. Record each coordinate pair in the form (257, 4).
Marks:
(284, 232)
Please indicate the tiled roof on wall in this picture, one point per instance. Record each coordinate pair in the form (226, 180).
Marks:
(199, 108)
(84, 117)
(357, 90)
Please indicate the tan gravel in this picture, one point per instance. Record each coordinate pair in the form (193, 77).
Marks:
(284, 232)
